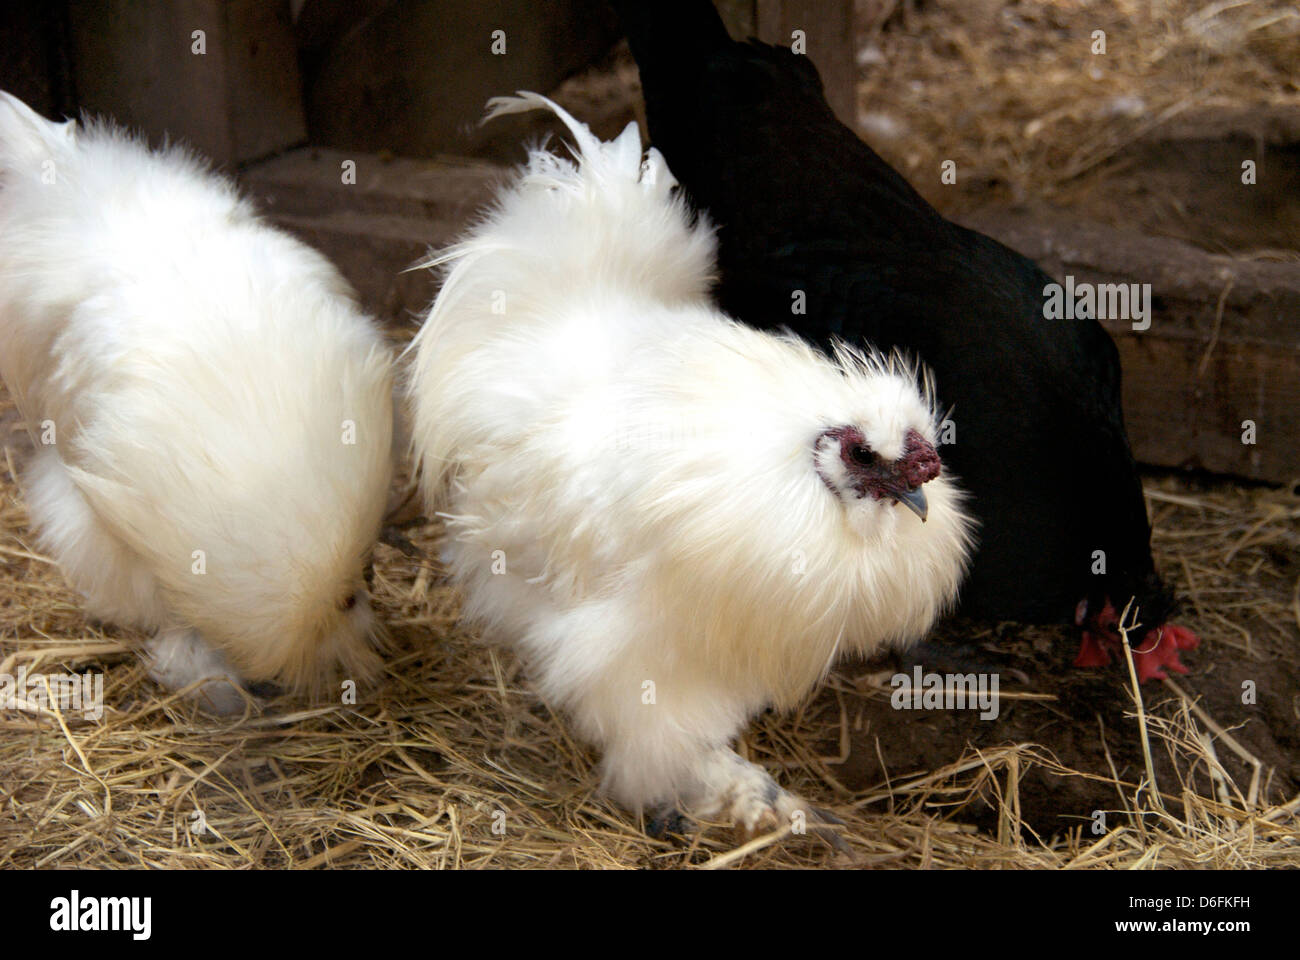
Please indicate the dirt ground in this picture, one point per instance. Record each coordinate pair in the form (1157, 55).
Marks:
(1087, 724)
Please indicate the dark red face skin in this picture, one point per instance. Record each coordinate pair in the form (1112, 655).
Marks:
(878, 478)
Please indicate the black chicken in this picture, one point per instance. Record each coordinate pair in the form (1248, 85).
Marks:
(812, 220)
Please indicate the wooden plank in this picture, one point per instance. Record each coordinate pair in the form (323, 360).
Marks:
(315, 180)
(373, 251)
(237, 101)
(1183, 412)
(33, 61)
(1223, 346)
(412, 78)
(828, 28)
(264, 92)
(380, 221)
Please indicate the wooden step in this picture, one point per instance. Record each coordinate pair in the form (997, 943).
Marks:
(376, 226)
(1223, 346)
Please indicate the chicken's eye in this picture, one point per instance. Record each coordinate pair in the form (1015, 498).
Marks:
(861, 455)
(349, 602)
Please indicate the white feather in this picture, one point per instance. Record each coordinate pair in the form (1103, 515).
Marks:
(629, 479)
(194, 369)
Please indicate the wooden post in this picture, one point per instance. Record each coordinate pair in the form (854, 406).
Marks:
(827, 28)
(219, 74)
(413, 77)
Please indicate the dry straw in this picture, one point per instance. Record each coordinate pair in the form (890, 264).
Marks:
(1014, 95)
(453, 762)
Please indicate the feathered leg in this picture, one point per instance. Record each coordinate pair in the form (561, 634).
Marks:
(114, 582)
(116, 585)
(180, 657)
(666, 745)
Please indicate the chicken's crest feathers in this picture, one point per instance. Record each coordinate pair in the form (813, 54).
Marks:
(564, 218)
(868, 361)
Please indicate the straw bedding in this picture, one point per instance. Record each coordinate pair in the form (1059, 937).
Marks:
(452, 761)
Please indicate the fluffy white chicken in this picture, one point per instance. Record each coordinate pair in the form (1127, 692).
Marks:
(675, 519)
(212, 414)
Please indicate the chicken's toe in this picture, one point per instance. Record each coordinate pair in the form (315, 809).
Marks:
(667, 820)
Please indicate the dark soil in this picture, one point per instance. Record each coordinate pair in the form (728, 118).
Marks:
(1088, 704)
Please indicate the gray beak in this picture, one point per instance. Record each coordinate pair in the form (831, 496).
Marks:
(914, 500)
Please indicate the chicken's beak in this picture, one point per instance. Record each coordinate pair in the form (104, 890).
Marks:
(914, 500)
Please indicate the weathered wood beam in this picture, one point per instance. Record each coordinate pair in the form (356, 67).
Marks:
(1223, 347)
(220, 74)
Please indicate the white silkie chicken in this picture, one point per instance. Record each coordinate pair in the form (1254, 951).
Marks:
(212, 413)
(675, 519)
